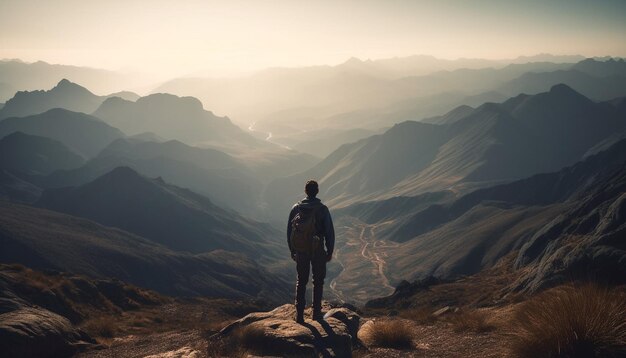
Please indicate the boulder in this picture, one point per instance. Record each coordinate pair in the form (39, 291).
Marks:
(275, 333)
(36, 332)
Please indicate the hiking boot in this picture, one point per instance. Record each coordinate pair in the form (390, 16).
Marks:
(318, 316)
(300, 317)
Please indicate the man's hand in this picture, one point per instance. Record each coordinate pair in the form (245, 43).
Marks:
(329, 256)
(293, 256)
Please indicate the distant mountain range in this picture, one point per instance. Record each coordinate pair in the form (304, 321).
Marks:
(598, 80)
(207, 171)
(16, 75)
(316, 93)
(370, 95)
(65, 94)
(173, 117)
(522, 136)
(232, 180)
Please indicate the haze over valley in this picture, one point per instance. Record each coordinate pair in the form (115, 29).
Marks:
(474, 172)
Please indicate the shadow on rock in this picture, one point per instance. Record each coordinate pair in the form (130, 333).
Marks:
(276, 333)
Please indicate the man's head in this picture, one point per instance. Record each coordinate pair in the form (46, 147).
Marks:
(311, 188)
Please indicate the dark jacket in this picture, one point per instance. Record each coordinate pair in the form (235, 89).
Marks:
(324, 223)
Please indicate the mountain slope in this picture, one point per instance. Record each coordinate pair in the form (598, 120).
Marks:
(492, 143)
(81, 133)
(558, 225)
(174, 217)
(13, 188)
(173, 117)
(207, 171)
(35, 155)
(44, 239)
(65, 95)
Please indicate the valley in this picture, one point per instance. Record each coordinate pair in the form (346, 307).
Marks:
(363, 260)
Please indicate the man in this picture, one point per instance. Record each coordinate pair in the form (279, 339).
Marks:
(309, 229)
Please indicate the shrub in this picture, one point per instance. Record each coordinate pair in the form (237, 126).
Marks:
(387, 334)
(241, 342)
(585, 321)
(252, 338)
(473, 321)
(225, 347)
(422, 315)
(101, 327)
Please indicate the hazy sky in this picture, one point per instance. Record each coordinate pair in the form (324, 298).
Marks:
(181, 37)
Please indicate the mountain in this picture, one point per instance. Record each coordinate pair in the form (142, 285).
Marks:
(18, 75)
(598, 88)
(522, 136)
(44, 239)
(209, 172)
(81, 133)
(171, 216)
(35, 155)
(415, 65)
(419, 97)
(299, 98)
(173, 117)
(547, 57)
(65, 94)
(610, 67)
(558, 226)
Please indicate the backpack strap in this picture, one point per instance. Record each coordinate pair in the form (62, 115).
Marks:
(314, 209)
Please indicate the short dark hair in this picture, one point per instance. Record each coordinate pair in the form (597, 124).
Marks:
(311, 188)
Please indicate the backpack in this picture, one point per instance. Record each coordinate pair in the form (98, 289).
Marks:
(303, 225)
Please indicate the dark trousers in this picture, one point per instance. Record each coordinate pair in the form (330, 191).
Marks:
(304, 263)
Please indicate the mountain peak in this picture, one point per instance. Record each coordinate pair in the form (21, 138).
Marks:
(162, 100)
(123, 172)
(563, 89)
(562, 92)
(67, 85)
(353, 60)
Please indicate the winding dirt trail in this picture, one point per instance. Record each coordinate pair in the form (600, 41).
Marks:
(363, 259)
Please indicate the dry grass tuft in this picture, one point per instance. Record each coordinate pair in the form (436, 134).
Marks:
(475, 321)
(396, 334)
(586, 321)
(252, 338)
(103, 326)
(243, 341)
(422, 315)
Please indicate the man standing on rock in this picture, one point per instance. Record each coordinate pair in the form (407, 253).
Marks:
(309, 229)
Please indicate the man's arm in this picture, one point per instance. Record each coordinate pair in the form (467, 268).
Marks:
(291, 215)
(329, 234)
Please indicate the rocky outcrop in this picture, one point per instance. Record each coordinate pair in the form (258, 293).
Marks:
(36, 332)
(275, 333)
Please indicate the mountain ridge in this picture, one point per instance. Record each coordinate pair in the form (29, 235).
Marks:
(82, 133)
(64, 94)
(174, 217)
(488, 145)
